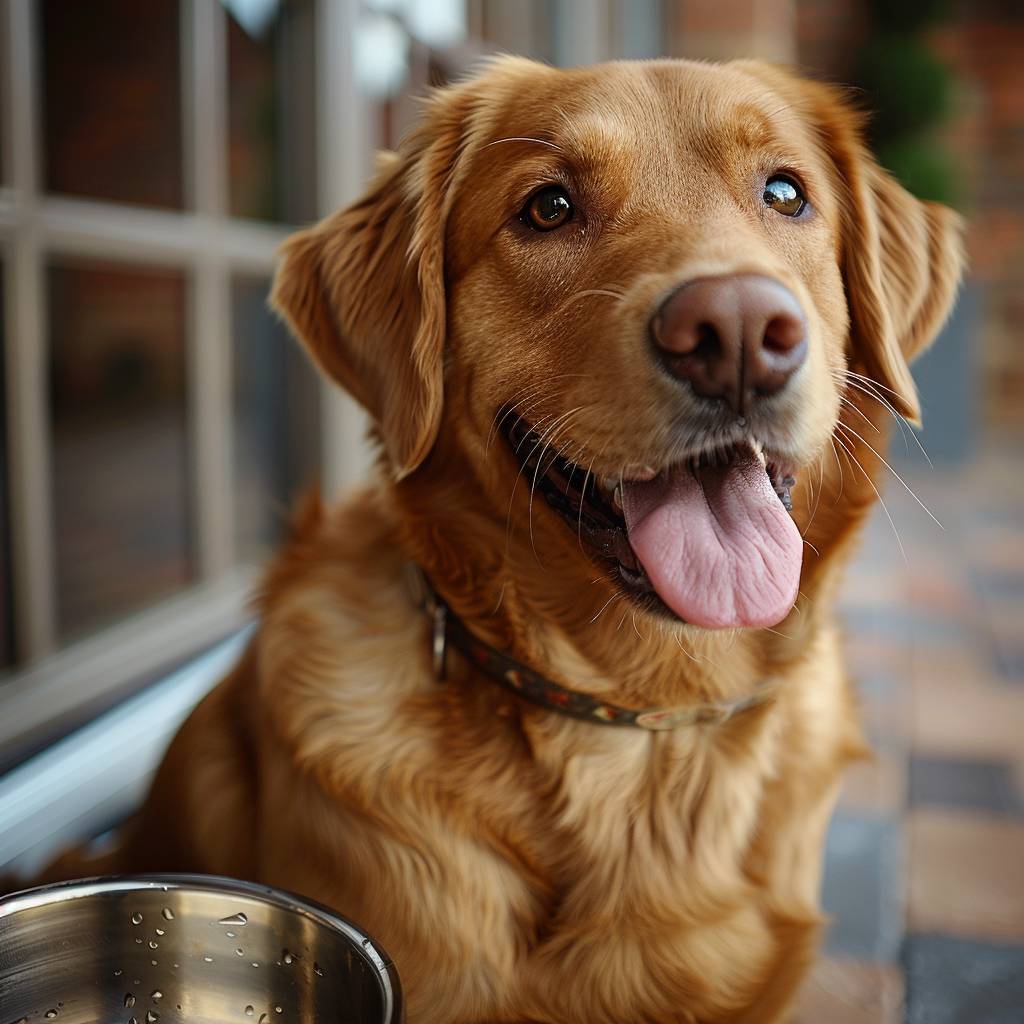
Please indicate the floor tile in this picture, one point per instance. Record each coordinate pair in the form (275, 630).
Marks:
(861, 890)
(851, 992)
(960, 717)
(966, 875)
(877, 785)
(956, 981)
(984, 785)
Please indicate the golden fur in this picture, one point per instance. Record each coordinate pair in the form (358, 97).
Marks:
(521, 866)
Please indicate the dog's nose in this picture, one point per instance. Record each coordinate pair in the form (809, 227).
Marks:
(735, 338)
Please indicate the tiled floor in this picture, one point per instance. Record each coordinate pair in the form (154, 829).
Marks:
(925, 870)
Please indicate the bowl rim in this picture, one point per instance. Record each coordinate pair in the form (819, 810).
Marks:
(58, 892)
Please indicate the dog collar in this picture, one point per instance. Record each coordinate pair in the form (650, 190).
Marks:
(523, 681)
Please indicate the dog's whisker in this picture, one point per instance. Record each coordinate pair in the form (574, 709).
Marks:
(579, 519)
(613, 294)
(866, 386)
(515, 485)
(523, 138)
(817, 500)
(885, 509)
(642, 639)
(615, 597)
(839, 466)
(550, 432)
(853, 407)
(845, 382)
(902, 482)
(533, 394)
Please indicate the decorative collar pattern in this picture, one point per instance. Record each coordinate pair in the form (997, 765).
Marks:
(523, 681)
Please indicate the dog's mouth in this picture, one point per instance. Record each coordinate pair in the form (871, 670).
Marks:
(709, 540)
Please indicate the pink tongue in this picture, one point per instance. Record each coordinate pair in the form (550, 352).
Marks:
(718, 547)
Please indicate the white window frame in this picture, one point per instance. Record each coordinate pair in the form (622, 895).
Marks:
(59, 687)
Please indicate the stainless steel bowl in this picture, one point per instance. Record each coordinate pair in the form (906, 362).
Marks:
(167, 949)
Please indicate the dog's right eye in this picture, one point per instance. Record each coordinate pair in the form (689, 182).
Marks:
(547, 209)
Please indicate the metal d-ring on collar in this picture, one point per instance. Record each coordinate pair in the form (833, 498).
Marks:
(447, 628)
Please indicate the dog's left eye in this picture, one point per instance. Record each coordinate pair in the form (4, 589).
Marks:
(548, 208)
(784, 195)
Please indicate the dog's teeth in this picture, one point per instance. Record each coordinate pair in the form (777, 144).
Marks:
(761, 456)
(638, 472)
(617, 497)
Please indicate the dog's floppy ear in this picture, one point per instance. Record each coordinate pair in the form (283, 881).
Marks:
(364, 289)
(901, 258)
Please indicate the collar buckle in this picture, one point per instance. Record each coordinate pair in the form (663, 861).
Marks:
(439, 644)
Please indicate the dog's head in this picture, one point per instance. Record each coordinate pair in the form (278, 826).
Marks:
(646, 284)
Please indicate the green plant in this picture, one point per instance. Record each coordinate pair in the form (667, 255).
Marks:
(912, 93)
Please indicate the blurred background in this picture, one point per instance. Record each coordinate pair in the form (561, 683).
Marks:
(156, 422)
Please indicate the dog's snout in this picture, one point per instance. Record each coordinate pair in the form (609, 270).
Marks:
(735, 338)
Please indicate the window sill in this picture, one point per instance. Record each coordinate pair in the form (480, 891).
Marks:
(95, 777)
(63, 691)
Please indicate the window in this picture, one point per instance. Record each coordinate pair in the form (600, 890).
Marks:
(276, 411)
(157, 421)
(6, 633)
(110, 83)
(119, 440)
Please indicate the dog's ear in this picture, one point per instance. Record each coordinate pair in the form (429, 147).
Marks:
(364, 289)
(901, 258)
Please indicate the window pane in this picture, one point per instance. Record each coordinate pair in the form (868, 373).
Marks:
(276, 419)
(6, 623)
(117, 344)
(111, 83)
(271, 110)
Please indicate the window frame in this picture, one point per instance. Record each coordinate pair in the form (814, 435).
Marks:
(55, 687)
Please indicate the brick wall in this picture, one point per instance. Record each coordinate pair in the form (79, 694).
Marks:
(984, 44)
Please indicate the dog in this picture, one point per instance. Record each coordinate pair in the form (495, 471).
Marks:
(555, 705)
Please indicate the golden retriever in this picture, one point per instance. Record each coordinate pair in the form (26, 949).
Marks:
(609, 323)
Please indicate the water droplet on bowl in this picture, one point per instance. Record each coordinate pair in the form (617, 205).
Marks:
(287, 957)
(230, 935)
(240, 951)
(317, 970)
(152, 1017)
(263, 1019)
(255, 964)
(249, 1011)
(118, 973)
(208, 959)
(133, 1020)
(277, 1009)
(50, 1014)
(159, 931)
(136, 918)
(234, 919)
(156, 995)
(153, 944)
(129, 999)
(138, 942)
(168, 914)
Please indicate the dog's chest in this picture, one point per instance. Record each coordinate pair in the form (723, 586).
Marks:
(653, 884)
